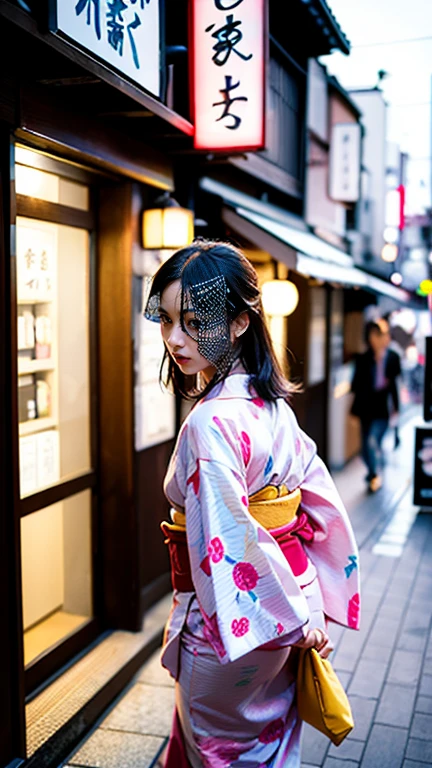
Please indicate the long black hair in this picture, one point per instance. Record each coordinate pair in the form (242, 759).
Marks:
(207, 259)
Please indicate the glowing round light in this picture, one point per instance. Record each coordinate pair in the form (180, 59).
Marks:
(406, 319)
(426, 287)
(396, 278)
(389, 253)
(416, 254)
(279, 297)
(391, 234)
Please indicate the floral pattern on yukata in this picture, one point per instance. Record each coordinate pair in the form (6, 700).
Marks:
(231, 445)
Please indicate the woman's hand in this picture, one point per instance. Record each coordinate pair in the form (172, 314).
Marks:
(318, 639)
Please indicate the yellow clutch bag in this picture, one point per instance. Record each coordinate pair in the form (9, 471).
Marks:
(321, 699)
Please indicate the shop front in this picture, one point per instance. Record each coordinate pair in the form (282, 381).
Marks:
(85, 436)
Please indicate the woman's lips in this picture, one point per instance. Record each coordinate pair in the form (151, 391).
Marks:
(180, 359)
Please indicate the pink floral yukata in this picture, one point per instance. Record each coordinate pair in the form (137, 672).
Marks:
(227, 644)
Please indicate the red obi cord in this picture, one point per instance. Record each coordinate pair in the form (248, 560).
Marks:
(290, 537)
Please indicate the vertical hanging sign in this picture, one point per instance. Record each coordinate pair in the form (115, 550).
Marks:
(228, 73)
(345, 160)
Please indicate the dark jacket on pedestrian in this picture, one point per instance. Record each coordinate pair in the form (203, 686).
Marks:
(371, 403)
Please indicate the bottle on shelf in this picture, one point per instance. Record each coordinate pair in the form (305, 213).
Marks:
(26, 398)
(26, 334)
(43, 398)
(43, 336)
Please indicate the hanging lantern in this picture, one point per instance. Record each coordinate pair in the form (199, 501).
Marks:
(390, 252)
(167, 226)
(279, 297)
(391, 235)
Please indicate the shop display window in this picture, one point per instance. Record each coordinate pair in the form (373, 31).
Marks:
(56, 573)
(52, 251)
(53, 352)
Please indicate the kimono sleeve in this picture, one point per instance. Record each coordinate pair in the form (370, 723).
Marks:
(245, 589)
(334, 550)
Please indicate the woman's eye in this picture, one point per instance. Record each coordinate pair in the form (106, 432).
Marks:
(164, 320)
(193, 323)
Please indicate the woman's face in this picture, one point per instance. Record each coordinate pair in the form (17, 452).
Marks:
(181, 347)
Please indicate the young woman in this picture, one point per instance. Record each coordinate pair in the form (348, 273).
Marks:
(262, 550)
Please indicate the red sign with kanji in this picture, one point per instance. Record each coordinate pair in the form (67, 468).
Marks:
(228, 74)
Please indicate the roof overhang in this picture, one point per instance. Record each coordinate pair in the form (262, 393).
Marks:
(312, 29)
(336, 37)
(274, 230)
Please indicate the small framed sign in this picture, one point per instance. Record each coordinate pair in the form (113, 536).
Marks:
(36, 254)
(227, 45)
(124, 34)
(345, 158)
(154, 407)
(423, 467)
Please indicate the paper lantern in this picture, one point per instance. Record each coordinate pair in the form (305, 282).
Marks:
(167, 226)
(280, 298)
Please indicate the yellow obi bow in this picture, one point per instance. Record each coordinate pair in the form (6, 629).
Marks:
(272, 507)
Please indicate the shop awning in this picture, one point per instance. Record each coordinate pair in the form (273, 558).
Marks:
(305, 242)
(288, 240)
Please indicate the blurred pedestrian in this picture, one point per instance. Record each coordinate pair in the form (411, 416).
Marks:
(376, 396)
(262, 550)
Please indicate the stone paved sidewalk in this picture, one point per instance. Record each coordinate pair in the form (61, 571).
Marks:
(386, 667)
